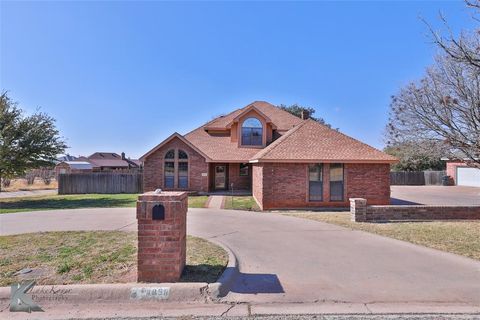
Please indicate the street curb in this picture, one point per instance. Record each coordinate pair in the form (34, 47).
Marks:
(118, 292)
(131, 292)
(224, 284)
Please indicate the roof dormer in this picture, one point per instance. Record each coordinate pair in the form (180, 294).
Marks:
(251, 128)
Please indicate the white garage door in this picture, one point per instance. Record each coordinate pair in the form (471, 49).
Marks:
(468, 177)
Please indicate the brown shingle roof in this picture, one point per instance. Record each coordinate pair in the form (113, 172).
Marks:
(302, 140)
(220, 147)
(312, 141)
(109, 163)
(105, 155)
(282, 119)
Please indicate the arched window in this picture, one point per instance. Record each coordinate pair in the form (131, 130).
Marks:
(169, 169)
(182, 169)
(175, 169)
(252, 132)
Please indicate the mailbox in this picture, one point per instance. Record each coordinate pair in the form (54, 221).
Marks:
(158, 212)
(162, 234)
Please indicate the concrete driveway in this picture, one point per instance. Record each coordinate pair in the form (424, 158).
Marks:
(435, 195)
(287, 259)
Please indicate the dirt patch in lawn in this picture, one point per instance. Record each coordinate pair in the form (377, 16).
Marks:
(94, 257)
(460, 237)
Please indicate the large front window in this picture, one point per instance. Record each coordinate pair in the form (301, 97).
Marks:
(252, 132)
(315, 182)
(175, 169)
(336, 182)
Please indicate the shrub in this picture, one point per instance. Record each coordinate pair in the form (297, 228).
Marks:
(30, 177)
(6, 182)
(46, 175)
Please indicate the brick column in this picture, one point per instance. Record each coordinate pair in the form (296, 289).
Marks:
(358, 209)
(162, 232)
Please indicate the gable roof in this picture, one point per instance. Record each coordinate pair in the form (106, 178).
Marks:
(283, 120)
(105, 155)
(312, 141)
(112, 163)
(173, 136)
(301, 141)
(219, 147)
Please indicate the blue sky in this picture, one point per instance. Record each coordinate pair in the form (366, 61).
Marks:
(122, 76)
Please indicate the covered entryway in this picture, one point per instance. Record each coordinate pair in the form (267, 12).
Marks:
(467, 176)
(230, 177)
(219, 176)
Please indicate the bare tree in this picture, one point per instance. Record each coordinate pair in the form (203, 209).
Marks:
(444, 106)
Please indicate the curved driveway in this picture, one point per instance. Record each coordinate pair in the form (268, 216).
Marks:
(287, 259)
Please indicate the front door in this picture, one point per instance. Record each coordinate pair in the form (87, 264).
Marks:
(220, 177)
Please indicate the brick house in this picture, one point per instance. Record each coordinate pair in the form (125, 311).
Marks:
(73, 167)
(285, 161)
(462, 173)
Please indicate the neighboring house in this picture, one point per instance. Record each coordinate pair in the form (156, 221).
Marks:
(99, 162)
(286, 161)
(462, 174)
(73, 167)
(110, 161)
(66, 157)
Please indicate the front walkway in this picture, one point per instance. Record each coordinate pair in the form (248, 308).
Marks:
(215, 202)
(291, 260)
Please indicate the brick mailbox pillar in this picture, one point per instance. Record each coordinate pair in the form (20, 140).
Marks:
(358, 209)
(162, 236)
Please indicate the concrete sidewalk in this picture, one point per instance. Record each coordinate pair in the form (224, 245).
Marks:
(273, 311)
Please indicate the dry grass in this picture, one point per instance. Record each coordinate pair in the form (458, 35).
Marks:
(94, 257)
(38, 184)
(460, 237)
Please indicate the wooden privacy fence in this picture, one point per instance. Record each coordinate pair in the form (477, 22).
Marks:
(73, 183)
(416, 178)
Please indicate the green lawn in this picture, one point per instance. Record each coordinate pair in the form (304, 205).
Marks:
(197, 201)
(94, 257)
(241, 203)
(460, 237)
(52, 202)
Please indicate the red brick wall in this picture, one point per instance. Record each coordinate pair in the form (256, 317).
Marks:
(162, 243)
(361, 212)
(369, 181)
(239, 182)
(452, 169)
(257, 183)
(285, 185)
(153, 168)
